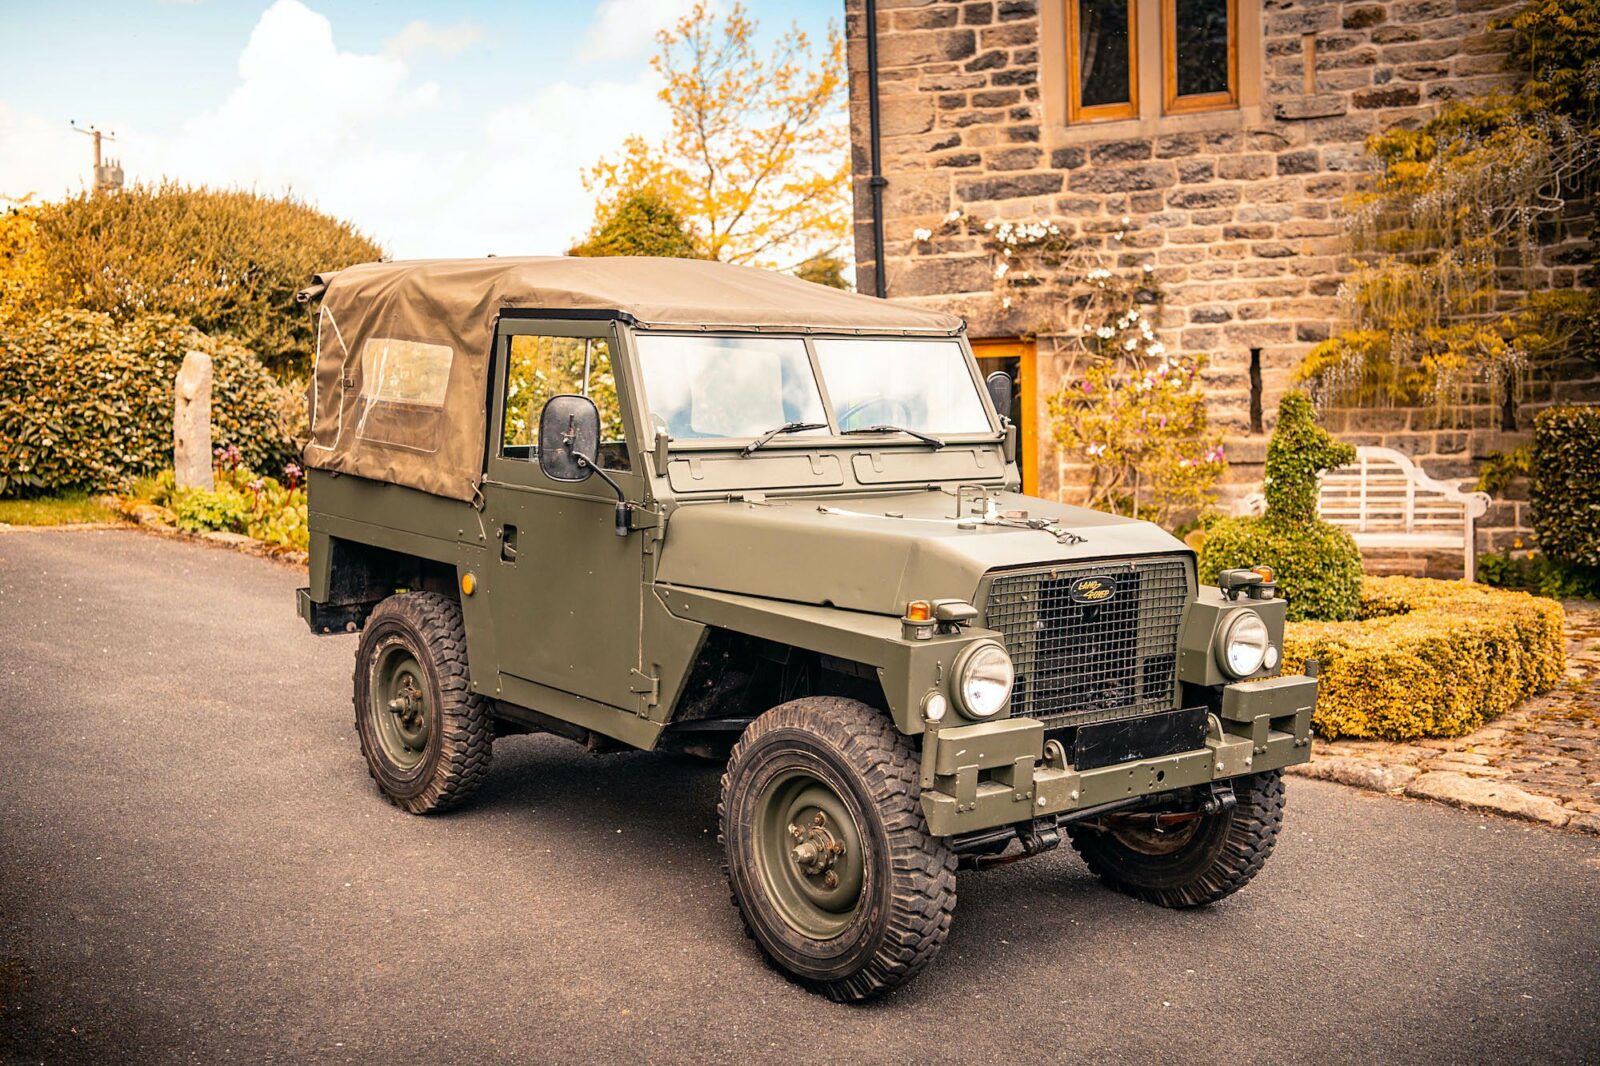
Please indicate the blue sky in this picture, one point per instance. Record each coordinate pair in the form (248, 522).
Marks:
(439, 129)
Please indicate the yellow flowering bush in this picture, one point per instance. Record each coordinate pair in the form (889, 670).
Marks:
(1428, 658)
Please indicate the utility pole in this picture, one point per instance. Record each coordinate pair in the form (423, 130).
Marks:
(107, 173)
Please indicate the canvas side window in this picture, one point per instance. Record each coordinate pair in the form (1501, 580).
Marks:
(403, 384)
(541, 367)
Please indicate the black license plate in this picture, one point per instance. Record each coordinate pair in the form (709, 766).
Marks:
(1148, 736)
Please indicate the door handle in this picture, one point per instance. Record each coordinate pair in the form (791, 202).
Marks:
(508, 544)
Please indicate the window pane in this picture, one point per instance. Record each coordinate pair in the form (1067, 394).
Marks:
(1201, 45)
(1102, 52)
(712, 387)
(395, 371)
(542, 367)
(922, 385)
(402, 393)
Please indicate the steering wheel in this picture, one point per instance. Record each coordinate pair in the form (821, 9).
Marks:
(893, 413)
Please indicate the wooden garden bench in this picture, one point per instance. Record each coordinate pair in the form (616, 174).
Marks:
(1386, 501)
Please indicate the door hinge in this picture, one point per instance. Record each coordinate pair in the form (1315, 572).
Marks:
(640, 517)
(648, 687)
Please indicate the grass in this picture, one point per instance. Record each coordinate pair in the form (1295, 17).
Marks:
(54, 511)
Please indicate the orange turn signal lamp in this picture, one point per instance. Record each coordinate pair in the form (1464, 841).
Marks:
(1265, 573)
(919, 611)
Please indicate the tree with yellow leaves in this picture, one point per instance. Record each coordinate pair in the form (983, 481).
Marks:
(756, 161)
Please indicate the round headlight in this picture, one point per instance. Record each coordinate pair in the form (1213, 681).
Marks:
(983, 679)
(1244, 644)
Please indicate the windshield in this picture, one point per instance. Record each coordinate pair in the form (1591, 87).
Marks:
(702, 387)
(710, 387)
(922, 385)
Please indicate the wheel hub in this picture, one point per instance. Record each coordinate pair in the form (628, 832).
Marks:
(815, 850)
(400, 707)
(810, 853)
(409, 705)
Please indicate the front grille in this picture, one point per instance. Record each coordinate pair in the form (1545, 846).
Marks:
(1093, 660)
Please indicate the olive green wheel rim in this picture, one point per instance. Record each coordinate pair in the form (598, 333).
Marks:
(809, 855)
(401, 708)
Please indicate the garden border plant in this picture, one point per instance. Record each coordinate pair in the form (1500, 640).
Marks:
(1427, 658)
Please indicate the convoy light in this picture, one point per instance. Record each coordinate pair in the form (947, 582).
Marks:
(983, 675)
(919, 611)
(1243, 643)
(934, 706)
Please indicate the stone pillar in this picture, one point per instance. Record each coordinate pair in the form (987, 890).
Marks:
(191, 423)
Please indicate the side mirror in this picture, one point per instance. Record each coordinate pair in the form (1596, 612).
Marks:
(569, 442)
(1001, 392)
(569, 438)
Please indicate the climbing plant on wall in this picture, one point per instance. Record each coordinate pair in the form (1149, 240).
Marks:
(1442, 304)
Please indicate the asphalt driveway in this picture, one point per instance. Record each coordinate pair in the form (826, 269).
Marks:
(194, 867)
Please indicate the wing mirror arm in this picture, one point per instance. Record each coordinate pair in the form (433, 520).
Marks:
(622, 527)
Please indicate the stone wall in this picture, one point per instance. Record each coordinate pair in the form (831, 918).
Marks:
(1237, 212)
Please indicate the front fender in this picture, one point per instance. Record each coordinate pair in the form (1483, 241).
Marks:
(907, 669)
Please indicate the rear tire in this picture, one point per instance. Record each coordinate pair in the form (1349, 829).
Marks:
(871, 902)
(425, 734)
(1204, 861)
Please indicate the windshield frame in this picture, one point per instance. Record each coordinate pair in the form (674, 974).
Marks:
(832, 437)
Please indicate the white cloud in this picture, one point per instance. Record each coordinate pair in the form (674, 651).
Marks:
(422, 36)
(362, 138)
(626, 29)
(41, 157)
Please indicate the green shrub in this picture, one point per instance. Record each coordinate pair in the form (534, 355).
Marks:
(1540, 574)
(1566, 484)
(262, 508)
(1318, 564)
(1428, 658)
(223, 261)
(86, 401)
(223, 509)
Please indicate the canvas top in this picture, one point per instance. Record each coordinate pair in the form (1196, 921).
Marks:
(649, 292)
(403, 348)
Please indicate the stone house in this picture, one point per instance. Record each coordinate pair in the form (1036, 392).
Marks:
(1212, 141)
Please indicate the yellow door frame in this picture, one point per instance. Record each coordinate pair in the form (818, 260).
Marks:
(1026, 354)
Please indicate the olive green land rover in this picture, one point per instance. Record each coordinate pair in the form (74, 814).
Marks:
(679, 505)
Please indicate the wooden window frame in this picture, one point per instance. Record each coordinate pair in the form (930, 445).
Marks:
(1076, 112)
(1172, 103)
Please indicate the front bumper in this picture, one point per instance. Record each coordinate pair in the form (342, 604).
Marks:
(1001, 773)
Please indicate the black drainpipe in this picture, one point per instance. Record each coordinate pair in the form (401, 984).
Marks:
(876, 183)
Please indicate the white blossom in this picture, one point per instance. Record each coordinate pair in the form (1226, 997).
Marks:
(922, 233)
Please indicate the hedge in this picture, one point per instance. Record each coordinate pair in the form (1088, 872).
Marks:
(86, 401)
(1429, 658)
(1566, 484)
(1318, 564)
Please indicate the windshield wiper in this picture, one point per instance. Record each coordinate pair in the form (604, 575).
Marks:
(787, 427)
(926, 438)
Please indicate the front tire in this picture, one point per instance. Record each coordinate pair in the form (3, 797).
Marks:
(425, 734)
(1196, 864)
(828, 854)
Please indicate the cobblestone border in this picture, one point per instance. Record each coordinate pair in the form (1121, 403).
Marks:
(1540, 762)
